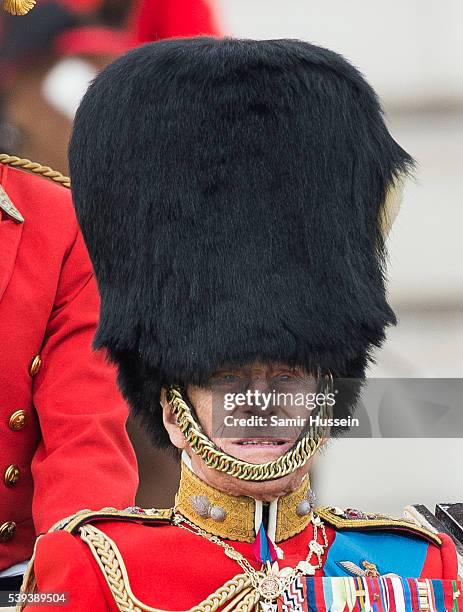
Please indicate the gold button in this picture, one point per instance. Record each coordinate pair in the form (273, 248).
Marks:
(7, 531)
(35, 365)
(18, 420)
(12, 475)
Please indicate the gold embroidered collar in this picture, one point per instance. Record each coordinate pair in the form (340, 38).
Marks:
(236, 518)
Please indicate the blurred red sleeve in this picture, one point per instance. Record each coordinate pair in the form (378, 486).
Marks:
(85, 459)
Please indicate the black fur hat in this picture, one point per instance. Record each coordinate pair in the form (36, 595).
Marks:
(231, 194)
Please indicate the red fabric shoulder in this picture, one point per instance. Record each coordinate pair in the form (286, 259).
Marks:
(37, 199)
(34, 184)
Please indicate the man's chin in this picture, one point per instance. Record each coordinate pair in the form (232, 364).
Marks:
(265, 491)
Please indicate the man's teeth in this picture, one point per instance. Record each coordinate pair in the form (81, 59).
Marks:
(260, 443)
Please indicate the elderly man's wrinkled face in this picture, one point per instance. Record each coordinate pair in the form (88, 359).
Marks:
(255, 413)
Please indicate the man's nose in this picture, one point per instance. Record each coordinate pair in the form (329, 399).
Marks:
(257, 386)
(259, 383)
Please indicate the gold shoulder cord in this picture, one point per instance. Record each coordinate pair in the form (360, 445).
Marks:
(45, 171)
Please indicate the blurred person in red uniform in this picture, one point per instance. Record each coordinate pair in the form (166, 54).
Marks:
(62, 420)
(151, 20)
(48, 58)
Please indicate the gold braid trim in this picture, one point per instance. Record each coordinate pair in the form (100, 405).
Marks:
(216, 459)
(26, 164)
(109, 560)
(377, 522)
(72, 523)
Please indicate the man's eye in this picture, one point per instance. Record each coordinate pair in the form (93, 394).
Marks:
(226, 377)
(229, 378)
(286, 377)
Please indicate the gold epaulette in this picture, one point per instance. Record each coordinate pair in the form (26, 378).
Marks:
(356, 519)
(72, 523)
(36, 168)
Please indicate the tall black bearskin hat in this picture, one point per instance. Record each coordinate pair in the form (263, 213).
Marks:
(233, 196)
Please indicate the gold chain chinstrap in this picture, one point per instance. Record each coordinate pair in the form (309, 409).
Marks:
(217, 459)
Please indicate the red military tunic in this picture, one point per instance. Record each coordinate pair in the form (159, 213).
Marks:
(62, 421)
(148, 559)
(169, 568)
